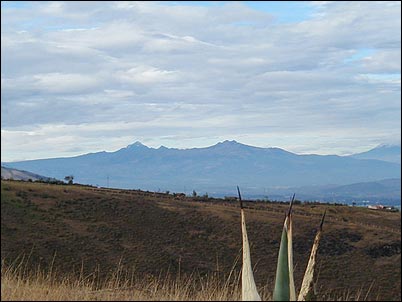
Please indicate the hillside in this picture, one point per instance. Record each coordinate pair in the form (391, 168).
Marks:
(213, 169)
(156, 232)
(384, 191)
(8, 173)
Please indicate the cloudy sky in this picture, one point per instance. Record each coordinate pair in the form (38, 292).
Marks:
(310, 77)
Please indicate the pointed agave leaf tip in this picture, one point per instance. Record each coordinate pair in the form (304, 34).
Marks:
(322, 219)
(292, 291)
(291, 205)
(241, 202)
(249, 289)
(284, 282)
(307, 284)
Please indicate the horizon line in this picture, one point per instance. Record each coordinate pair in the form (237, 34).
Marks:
(138, 143)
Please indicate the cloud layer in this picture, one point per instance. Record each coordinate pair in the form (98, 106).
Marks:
(81, 77)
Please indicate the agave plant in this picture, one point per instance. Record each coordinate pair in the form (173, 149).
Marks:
(284, 282)
(307, 284)
(248, 289)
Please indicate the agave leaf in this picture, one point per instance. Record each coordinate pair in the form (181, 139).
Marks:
(284, 283)
(249, 290)
(292, 290)
(282, 289)
(307, 284)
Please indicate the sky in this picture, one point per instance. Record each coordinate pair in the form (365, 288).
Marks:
(317, 77)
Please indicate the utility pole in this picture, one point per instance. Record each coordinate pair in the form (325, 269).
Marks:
(108, 181)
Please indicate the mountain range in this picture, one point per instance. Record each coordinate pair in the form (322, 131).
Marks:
(217, 169)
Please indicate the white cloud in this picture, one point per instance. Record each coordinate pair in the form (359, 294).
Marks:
(63, 83)
(147, 75)
(190, 75)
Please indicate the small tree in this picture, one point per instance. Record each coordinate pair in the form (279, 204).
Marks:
(194, 193)
(69, 179)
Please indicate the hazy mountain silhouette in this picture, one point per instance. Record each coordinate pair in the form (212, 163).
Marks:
(391, 153)
(215, 169)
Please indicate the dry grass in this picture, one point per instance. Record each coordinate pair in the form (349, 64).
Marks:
(18, 283)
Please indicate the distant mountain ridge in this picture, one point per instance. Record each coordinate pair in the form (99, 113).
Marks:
(215, 169)
(385, 152)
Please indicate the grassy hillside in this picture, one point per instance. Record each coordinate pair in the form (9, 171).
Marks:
(92, 229)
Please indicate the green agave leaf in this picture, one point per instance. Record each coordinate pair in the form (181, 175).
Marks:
(284, 283)
(282, 290)
(292, 290)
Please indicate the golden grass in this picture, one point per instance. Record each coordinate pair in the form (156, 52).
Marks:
(20, 284)
(17, 283)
